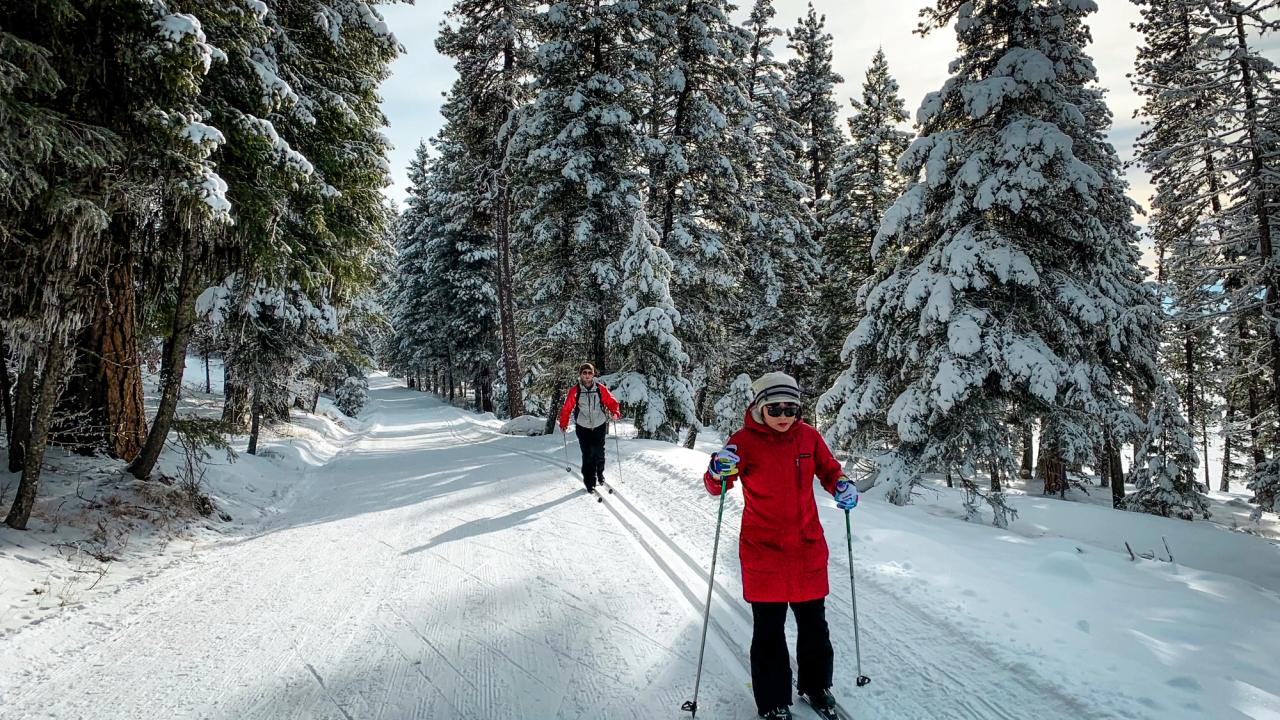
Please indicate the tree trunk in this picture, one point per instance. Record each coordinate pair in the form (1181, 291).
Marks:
(1255, 428)
(208, 384)
(107, 384)
(484, 391)
(42, 417)
(255, 422)
(1104, 466)
(1051, 465)
(1117, 473)
(236, 409)
(1258, 176)
(1228, 448)
(23, 401)
(950, 482)
(172, 365)
(995, 476)
(502, 236)
(6, 390)
(700, 406)
(1028, 451)
(554, 414)
(1204, 448)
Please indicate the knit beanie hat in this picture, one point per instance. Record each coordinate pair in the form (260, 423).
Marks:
(774, 387)
(587, 366)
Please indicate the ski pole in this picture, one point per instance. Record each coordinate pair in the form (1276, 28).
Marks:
(857, 647)
(617, 450)
(692, 705)
(564, 440)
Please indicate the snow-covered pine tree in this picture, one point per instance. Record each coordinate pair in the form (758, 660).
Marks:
(651, 360)
(731, 408)
(1252, 139)
(864, 182)
(1212, 97)
(577, 152)
(1016, 292)
(812, 82)
(255, 168)
(417, 344)
(1164, 474)
(490, 47)
(783, 256)
(106, 82)
(1179, 149)
(696, 166)
(461, 263)
(327, 62)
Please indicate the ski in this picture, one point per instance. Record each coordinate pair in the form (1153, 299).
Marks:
(593, 491)
(607, 485)
(825, 714)
(834, 713)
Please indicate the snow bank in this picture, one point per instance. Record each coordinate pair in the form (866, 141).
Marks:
(524, 425)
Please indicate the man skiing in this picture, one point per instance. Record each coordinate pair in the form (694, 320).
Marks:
(592, 406)
(781, 545)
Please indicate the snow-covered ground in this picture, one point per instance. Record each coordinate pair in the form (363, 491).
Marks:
(416, 563)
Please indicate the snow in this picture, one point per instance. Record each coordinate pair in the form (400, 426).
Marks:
(524, 425)
(417, 563)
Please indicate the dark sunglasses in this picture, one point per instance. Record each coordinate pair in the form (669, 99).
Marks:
(788, 409)
(586, 372)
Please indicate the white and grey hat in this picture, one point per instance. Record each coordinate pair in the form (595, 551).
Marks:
(774, 387)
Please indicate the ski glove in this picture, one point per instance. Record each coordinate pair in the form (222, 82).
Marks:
(846, 494)
(724, 464)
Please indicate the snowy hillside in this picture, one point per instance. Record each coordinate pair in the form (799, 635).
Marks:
(417, 564)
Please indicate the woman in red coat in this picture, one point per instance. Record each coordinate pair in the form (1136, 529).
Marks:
(782, 546)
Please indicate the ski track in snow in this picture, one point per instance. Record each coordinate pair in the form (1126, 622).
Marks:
(435, 569)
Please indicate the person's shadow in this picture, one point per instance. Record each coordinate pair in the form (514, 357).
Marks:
(488, 525)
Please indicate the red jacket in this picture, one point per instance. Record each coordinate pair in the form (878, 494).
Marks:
(782, 545)
(571, 402)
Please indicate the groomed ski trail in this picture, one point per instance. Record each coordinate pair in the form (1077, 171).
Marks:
(424, 572)
(435, 569)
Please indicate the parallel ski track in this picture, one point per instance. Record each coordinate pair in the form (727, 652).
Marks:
(732, 620)
(631, 520)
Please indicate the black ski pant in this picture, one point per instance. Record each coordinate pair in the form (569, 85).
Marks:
(770, 663)
(591, 442)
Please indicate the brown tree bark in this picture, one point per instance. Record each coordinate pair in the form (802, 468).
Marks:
(172, 365)
(23, 406)
(50, 384)
(107, 384)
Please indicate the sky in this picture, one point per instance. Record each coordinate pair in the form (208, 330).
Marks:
(413, 94)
